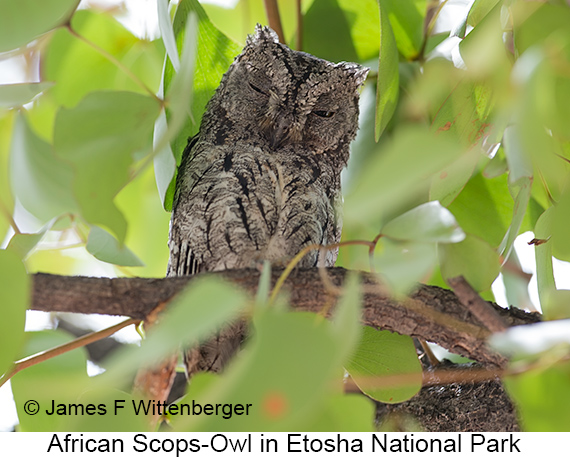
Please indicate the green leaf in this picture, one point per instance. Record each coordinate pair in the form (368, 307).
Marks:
(22, 21)
(167, 33)
(119, 414)
(521, 204)
(398, 173)
(560, 222)
(23, 243)
(80, 68)
(464, 113)
(346, 320)
(179, 99)
(517, 159)
(99, 137)
(14, 298)
(194, 315)
(448, 184)
(473, 258)
(215, 53)
(542, 398)
(326, 32)
(60, 380)
(556, 304)
(342, 30)
(41, 181)
(12, 95)
(6, 200)
(382, 354)
(402, 264)
(407, 19)
(543, 254)
(105, 247)
(479, 10)
(345, 413)
(387, 86)
(286, 384)
(429, 222)
(485, 200)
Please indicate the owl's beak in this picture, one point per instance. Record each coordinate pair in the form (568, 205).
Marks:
(280, 132)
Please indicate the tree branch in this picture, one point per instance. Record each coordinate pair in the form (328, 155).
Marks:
(430, 313)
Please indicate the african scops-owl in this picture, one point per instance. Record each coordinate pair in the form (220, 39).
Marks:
(261, 179)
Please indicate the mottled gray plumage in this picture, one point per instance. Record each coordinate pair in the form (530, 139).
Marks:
(261, 180)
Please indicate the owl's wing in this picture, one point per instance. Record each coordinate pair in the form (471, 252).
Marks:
(182, 260)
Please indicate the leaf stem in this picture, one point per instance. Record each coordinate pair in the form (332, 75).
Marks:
(118, 63)
(63, 348)
(274, 19)
(293, 263)
(299, 43)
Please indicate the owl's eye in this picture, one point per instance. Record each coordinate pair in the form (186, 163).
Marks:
(257, 89)
(324, 113)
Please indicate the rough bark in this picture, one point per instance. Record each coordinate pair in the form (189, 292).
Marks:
(429, 313)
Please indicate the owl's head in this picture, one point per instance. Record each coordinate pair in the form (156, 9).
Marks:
(288, 100)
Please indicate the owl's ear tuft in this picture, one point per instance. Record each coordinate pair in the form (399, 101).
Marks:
(262, 33)
(357, 72)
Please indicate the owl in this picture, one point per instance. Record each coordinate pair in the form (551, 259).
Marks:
(261, 179)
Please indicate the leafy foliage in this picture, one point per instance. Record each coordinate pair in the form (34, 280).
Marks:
(458, 154)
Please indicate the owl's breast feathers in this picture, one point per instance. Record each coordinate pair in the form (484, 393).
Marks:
(236, 206)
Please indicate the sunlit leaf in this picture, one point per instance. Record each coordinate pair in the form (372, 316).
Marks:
(105, 247)
(99, 137)
(543, 253)
(346, 320)
(326, 32)
(541, 398)
(473, 259)
(479, 9)
(485, 200)
(179, 99)
(23, 243)
(401, 172)
(560, 222)
(286, 384)
(401, 265)
(142, 207)
(41, 180)
(450, 182)
(22, 21)
(345, 413)
(387, 86)
(522, 199)
(215, 53)
(407, 19)
(12, 95)
(14, 299)
(429, 222)
(380, 355)
(80, 68)
(167, 33)
(54, 382)
(194, 315)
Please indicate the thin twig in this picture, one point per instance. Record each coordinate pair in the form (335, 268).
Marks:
(118, 63)
(476, 305)
(299, 43)
(63, 348)
(293, 263)
(274, 19)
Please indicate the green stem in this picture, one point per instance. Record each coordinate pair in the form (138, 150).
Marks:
(118, 63)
